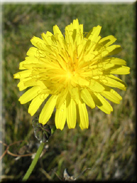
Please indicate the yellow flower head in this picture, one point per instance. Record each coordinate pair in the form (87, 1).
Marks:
(70, 72)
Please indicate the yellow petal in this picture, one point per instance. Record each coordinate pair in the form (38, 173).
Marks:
(96, 86)
(80, 50)
(90, 55)
(28, 60)
(74, 92)
(94, 33)
(75, 24)
(37, 42)
(47, 110)
(21, 85)
(79, 35)
(59, 36)
(35, 103)
(47, 37)
(57, 31)
(108, 66)
(117, 61)
(32, 51)
(121, 70)
(87, 98)
(25, 83)
(77, 32)
(108, 40)
(112, 95)
(114, 81)
(83, 81)
(111, 60)
(68, 37)
(111, 50)
(29, 95)
(61, 98)
(83, 115)
(105, 106)
(71, 113)
(21, 65)
(28, 82)
(22, 74)
(60, 116)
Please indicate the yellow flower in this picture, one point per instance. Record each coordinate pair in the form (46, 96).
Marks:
(70, 72)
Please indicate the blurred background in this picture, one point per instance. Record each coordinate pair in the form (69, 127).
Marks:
(106, 150)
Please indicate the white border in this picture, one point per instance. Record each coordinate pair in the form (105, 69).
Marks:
(1, 125)
(37, 1)
(68, 1)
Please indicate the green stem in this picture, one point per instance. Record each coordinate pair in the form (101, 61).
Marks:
(32, 166)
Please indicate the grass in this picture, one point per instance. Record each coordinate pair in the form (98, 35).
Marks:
(108, 146)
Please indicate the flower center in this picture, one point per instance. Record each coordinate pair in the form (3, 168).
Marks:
(71, 71)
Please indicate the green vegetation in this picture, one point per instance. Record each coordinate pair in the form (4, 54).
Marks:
(108, 146)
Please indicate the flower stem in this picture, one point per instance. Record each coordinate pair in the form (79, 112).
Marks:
(32, 166)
